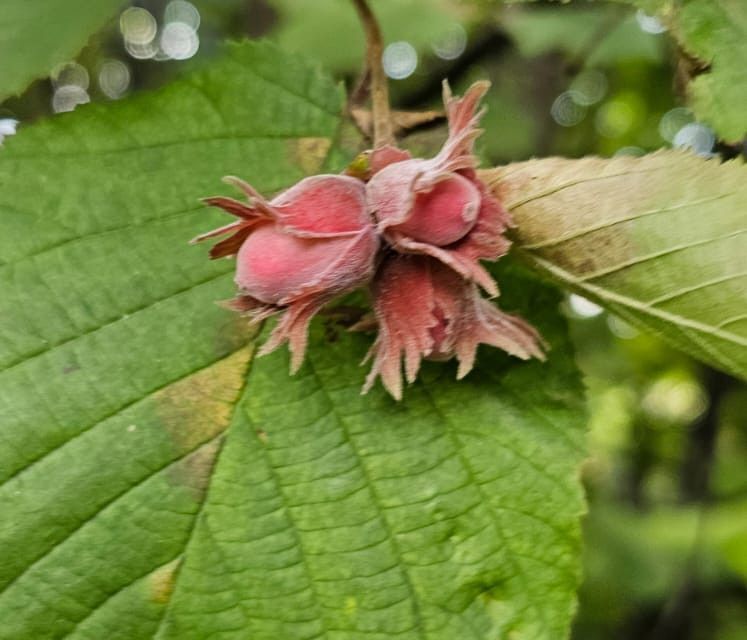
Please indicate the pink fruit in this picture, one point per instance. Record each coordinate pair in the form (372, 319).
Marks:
(440, 213)
(434, 220)
(426, 310)
(439, 207)
(296, 252)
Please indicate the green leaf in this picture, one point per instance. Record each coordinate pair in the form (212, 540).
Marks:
(714, 32)
(451, 515)
(39, 34)
(659, 240)
(153, 485)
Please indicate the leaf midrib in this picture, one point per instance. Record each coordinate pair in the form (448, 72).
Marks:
(642, 307)
(375, 499)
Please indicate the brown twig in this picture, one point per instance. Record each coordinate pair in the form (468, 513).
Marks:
(402, 121)
(359, 94)
(382, 119)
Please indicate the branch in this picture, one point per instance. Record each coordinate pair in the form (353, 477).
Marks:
(382, 119)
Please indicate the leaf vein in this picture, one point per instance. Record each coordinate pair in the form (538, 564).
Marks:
(459, 447)
(657, 254)
(404, 572)
(124, 316)
(108, 416)
(693, 288)
(108, 504)
(548, 192)
(606, 224)
(642, 307)
(205, 496)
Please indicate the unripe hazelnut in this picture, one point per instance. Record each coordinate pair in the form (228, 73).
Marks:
(297, 252)
(273, 266)
(440, 207)
(440, 212)
(425, 310)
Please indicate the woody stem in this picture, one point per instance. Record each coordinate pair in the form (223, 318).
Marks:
(382, 117)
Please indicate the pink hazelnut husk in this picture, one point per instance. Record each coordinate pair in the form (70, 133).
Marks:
(425, 310)
(440, 207)
(296, 252)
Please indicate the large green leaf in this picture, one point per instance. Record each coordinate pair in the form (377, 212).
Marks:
(661, 240)
(35, 35)
(152, 484)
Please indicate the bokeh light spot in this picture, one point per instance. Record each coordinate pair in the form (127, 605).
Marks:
(566, 110)
(621, 328)
(400, 60)
(674, 400)
(452, 43)
(615, 118)
(589, 87)
(648, 23)
(7, 128)
(114, 78)
(182, 11)
(138, 26)
(697, 137)
(629, 151)
(582, 307)
(672, 121)
(179, 41)
(69, 96)
(141, 51)
(70, 73)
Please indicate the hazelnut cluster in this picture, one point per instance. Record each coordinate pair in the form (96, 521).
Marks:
(412, 229)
